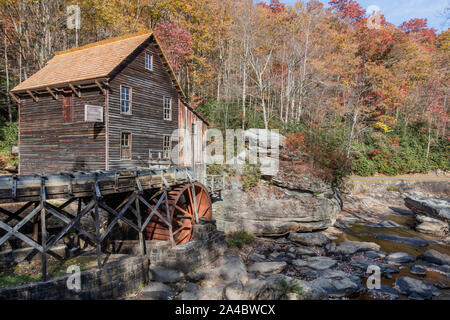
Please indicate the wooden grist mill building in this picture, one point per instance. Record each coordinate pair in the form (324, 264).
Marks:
(108, 105)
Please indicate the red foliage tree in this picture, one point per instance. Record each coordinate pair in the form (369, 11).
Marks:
(275, 6)
(420, 28)
(176, 42)
(348, 9)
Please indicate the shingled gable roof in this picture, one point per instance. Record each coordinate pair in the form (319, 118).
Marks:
(93, 61)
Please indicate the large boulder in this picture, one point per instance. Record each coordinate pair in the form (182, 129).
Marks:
(227, 269)
(280, 286)
(271, 210)
(165, 275)
(415, 289)
(432, 214)
(316, 263)
(431, 207)
(435, 257)
(338, 284)
(309, 239)
(425, 224)
(267, 268)
(410, 241)
(400, 257)
(264, 138)
(157, 291)
(352, 247)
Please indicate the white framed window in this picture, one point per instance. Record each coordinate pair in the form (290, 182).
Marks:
(125, 145)
(167, 108)
(167, 147)
(148, 61)
(125, 99)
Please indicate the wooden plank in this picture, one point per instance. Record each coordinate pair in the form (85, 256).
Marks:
(72, 224)
(139, 225)
(58, 186)
(35, 98)
(17, 227)
(97, 234)
(75, 90)
(54, 95)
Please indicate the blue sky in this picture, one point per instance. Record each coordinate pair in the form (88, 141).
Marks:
(397, 11)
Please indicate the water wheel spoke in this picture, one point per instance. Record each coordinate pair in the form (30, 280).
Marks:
(186, 236)
(191, 201)
(204, 212)
(199, 201)
(180, 229)
(182, 210)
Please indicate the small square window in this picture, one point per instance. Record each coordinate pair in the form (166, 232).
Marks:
(125, 145)
(167, 109)
(148, 62)
(125, 100)
(167, 147)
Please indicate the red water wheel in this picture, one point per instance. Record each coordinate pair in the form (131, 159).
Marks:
(182, 210)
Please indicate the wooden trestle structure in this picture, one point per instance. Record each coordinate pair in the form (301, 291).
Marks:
(161, 204)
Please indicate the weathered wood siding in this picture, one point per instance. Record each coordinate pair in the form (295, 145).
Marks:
(191, 151)
(146, 123)
(49, 145)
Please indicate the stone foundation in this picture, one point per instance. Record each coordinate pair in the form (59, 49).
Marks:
(117, 279)
(207, 245)
(123, 277)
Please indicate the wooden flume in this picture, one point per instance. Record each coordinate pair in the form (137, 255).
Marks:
(160, 204)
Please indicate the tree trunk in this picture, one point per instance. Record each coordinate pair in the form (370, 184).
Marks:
(355, 118)
(8, 99)
(429, 139)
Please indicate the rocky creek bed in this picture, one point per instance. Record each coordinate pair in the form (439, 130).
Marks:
(372, 230)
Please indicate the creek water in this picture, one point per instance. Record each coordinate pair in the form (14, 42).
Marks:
(368, 233)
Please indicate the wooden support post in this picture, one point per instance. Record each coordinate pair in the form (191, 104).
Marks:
(35, 98)
(195, 201)
(139, 224)
(43, 230)
(97, 197)
(78, 239)
(169, 218)
(36, 228)
(97, 234)
(16, 98)
(100, 86)
(77, 92)
(55, 96)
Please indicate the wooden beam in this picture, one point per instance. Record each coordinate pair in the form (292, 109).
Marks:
(16, 98)
(52, 93)
(35, 98)
(100, 87)
(77, 92)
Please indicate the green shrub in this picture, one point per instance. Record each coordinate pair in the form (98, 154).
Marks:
(393, 189)
(8, 139)
(291, 286)
(325, 147)
(239, 239)
(251, 176)
(401, 151)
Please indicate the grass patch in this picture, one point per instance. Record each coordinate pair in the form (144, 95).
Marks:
(31, 272)
(393, 189)
(251, 176)
(291, 287)
(8, 139)
(239, 239)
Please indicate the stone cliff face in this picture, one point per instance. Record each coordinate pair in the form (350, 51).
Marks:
(288, 202)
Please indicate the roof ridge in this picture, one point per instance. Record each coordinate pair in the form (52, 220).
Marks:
(103, 42)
